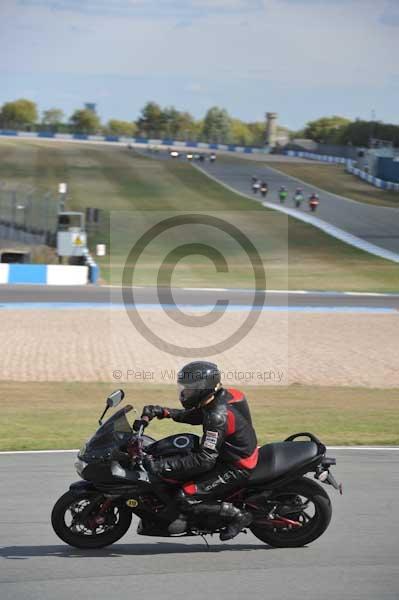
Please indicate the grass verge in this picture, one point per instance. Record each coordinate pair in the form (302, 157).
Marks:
(334, 179)
(132, 187)
(39, 416)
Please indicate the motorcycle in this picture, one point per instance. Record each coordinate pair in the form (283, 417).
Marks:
(298, 199)
(313, 203)
(288, 509)
(282, 196)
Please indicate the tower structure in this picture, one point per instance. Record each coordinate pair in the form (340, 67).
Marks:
(271, 129)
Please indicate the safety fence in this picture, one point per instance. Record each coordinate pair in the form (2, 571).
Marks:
(380, 183)
(28, 215)
(132, 140)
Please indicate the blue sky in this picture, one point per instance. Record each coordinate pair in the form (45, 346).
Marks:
(301, 58)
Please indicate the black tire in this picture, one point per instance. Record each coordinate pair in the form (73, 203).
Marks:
(292, 538)
(120, 514)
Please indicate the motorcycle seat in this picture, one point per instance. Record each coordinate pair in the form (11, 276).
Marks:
(279, 458)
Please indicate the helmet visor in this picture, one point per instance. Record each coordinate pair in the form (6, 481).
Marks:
(188, 391)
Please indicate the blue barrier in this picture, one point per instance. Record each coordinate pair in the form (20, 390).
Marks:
(94, 272)
(137, 140)
(27, 273)
(375, 181)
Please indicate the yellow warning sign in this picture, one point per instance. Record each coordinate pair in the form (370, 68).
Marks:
(78, 241)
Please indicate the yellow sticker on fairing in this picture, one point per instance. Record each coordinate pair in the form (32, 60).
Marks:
(132, 503)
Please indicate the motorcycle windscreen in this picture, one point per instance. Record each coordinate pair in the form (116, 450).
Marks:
(114, 433)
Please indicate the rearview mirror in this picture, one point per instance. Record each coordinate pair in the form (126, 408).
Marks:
(115, 398)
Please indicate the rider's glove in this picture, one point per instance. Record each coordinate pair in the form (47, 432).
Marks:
(140, 423)
(152, 411)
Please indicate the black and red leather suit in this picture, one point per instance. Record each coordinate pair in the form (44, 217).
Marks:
(228, 450)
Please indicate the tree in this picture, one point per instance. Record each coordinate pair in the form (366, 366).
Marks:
(258, 131)
(178, 125)
(19, 114)
(85, 121)
(151, 123)
(360, 133)
(116, 127)
(53, 118)
(217, 125)
(326, 130)
(240, 133)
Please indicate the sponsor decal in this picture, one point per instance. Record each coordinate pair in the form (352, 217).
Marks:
(211, 439)
(132, 503)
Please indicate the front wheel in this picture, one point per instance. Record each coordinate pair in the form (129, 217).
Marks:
(311, 507)
(93, 531)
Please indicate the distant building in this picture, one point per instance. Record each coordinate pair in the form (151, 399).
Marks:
(91, 106)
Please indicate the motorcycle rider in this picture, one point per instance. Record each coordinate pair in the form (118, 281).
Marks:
(282, 194)
(264, 188)
(313, 201)
(228, 450)
(298, 197)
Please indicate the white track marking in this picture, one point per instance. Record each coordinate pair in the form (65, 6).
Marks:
(247, 290)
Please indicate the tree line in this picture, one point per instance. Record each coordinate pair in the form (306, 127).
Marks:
(217, 126)
(154, 121)
(341, 131)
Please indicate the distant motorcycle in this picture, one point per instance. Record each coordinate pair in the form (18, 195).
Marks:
(282, 195)
(288, 509)
(298, 199)
(314, 202)
(264, 188)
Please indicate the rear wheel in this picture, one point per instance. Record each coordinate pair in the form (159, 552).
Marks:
(89, 532)
(311, 507)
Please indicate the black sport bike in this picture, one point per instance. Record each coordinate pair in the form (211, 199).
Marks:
(288, 508)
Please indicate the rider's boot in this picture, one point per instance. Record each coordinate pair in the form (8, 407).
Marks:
(239, 520)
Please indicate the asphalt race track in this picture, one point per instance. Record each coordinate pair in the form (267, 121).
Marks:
(378, 225)
(357, 558)
(100, 295)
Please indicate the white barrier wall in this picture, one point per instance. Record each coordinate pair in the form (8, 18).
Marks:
(67, 275)
(4, 268)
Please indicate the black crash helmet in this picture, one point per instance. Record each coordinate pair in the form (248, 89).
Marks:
(197, 380)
